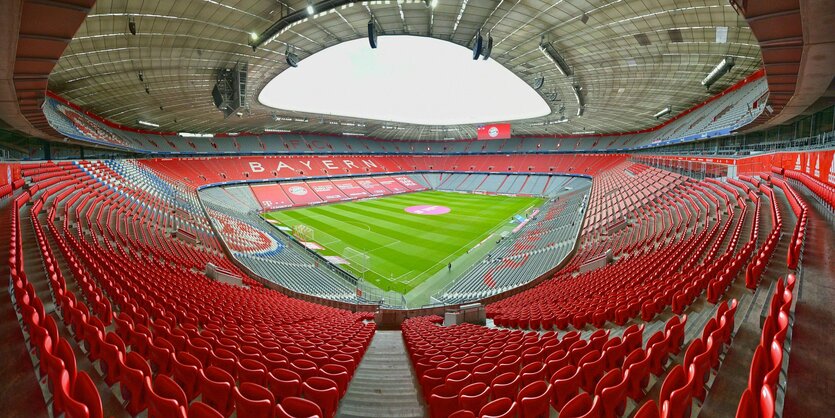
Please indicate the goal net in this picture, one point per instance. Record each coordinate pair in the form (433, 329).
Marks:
(357, 259)
(303, 233)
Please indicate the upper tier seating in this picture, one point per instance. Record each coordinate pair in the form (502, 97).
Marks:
(720, 116)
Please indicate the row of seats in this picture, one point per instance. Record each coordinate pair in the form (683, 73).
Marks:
(624, 289)
(178, 336)
(824, 191)
(759, 398)
(686, 381)
(468, 370)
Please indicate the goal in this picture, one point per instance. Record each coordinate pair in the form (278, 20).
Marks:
(303, 233)
(358, 260)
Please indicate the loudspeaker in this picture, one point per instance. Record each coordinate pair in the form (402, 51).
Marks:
(489, 48)
(372, 34)
(477, 46)
(292, 59)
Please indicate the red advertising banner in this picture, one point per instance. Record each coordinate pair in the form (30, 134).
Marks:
(409, 183)
(351, 188)
(271, 196)
(300, 193)
(494, 131)
(327, 191)
(391, 184)
(372, 186)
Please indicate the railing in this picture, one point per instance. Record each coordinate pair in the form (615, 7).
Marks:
(734, 148)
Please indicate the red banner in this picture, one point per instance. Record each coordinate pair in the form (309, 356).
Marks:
(351, 188)
(271, 196)
(301, 194)
(327, 191)
(494, 131)
(391, 184)
(372, 186)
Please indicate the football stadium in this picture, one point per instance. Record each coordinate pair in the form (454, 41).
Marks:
(417, 208)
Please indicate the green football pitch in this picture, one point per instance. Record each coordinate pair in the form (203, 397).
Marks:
(403, 249)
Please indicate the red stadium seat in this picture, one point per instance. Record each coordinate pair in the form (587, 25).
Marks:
(533, 400)
(201, 410)
(324, 392)
(216, 389)
(253, 400)
(166, 399)
(474, 396)
(294, 407)
(499, 408)
(581, 406)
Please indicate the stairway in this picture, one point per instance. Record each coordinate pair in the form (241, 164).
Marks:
(384, 384)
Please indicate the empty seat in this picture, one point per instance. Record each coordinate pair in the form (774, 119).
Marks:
(499, 408)
(253, 400)
(324, 392)
(294, 407)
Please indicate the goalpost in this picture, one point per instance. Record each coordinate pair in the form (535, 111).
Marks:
(303, 233)
(358, 260)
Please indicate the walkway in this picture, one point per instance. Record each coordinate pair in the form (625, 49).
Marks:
(384, 384)
(811, 377)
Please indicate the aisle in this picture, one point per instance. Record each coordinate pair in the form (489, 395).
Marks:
(811, 365)
(384, 384)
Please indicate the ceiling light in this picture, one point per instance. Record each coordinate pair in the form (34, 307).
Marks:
(253, 36)
(551, 53)
(352, 134)
(717, 72)
(194, 135)
(663, 112)
(434, 3)
(276, 130)
(310, 9)
(151, 124)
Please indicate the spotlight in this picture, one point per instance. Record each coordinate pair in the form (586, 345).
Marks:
(663, 112)
(584, 18)
(721, 69)
(310, 9)
(372, 34)
(489, 48)
(551, 53)
(151, 124)
(147, 89)
(539, 82)
(253, 36)
(131, 25)
(291, 58)
(477, 45)
(141, 76)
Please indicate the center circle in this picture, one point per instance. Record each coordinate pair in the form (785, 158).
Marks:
(427, 210)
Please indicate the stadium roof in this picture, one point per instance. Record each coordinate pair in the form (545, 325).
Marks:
(632, 58)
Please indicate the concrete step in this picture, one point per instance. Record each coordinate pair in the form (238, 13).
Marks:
(384, 384)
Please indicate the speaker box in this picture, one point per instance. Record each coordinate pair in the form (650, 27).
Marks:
(372, 34)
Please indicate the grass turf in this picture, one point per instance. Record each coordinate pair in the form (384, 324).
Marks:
(404, 249)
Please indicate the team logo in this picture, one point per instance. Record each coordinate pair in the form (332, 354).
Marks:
(297, 190)
(493, 132)
(243, 237)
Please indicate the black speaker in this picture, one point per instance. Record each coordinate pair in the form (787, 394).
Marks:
(372, 34)
(489, 48)
(292, 59)
(479, 41)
